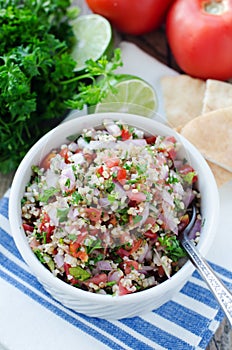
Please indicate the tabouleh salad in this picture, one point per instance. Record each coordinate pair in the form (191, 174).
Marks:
(103, 212)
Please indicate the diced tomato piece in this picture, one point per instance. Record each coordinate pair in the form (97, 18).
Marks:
(150, 139)
(46, 162)
(66, 268)
(89, 157)
(74, 281)
(130, 265)
(100, 170)
(121, 175)
(74, 248)
(111, 162)
(161, 271)
(136, 196)
(82, 255)
(55, 251)
(49, 233)
(171, 139)
(150, 234)
(132, 204)
(131, 219)
(125, 134)
(46, 227)
(93, 214)
(136, 245)
(28, 227)
(100, 278)
(172, 153)
(123, 290)
(122, 252)
(113, 221)
(64, 154)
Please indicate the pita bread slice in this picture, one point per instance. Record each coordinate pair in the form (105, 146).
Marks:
(221, 175)
(211, 133)
(183, 98)
(218, 94)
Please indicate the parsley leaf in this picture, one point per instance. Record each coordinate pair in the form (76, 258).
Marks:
(172, 247)
(48, 193)
(62, 214)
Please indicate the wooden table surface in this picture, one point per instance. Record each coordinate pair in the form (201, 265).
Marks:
(156, 45)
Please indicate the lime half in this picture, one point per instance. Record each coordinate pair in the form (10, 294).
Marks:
(93, 35)
(133, 96)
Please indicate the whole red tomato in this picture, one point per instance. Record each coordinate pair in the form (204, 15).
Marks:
(199, 33)
(132, 16)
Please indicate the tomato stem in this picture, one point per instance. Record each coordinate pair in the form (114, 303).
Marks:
(215, 7)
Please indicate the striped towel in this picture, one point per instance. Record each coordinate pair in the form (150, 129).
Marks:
(186, 322)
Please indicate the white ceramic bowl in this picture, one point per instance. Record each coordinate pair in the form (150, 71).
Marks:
(104, 306)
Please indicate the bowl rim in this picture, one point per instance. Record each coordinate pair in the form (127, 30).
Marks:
(41, 272)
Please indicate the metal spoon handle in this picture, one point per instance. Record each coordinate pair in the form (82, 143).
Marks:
(220, 291)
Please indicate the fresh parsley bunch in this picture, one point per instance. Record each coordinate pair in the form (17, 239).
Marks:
(37, 79)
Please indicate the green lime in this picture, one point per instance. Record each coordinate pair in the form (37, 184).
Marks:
(93, 35)
(133, 96)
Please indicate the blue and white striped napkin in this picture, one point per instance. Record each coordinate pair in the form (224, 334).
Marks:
(186, 322)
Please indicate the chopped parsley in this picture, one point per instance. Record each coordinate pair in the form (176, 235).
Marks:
(48, 193)
(172, 247)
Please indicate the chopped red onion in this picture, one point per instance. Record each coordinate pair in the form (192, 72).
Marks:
(196, 228)
(67, 174)
(150, 281)
(103, 202)
(146, 269)
(115, 275)
(113, 129)
(168, 218)
(148, 256)
(136, 196)
(178, 163)
(51, 210)
(51, 178)
(100, 144)
(119, 189)
(72, 214)
(104, 265)
(142, 255)
(188, 197)
(136, 142)
(73, 147)
(167, 197)
(59, 260)
(82, 143)
(145, 214)
(77, 158)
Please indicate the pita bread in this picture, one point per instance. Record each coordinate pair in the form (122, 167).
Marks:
(218, 94)
(211, 133)
(183, 98)
(221, 175)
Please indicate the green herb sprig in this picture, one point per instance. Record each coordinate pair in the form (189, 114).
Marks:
(172, 247)
(37, 80)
